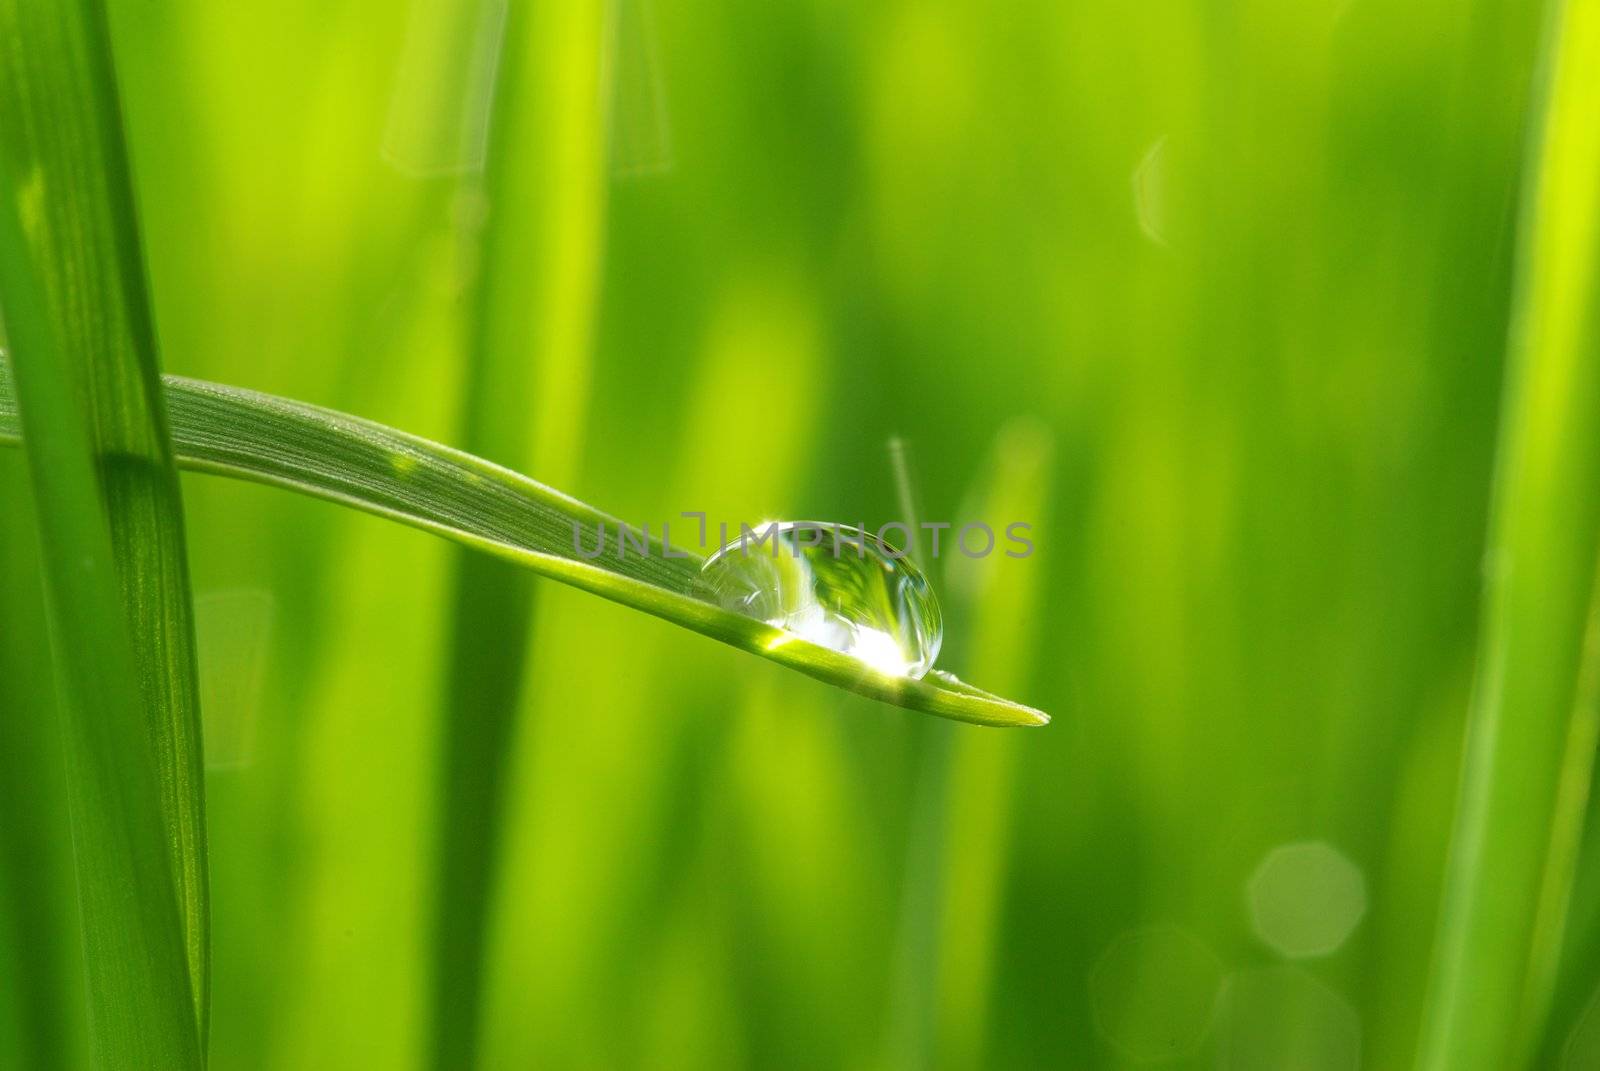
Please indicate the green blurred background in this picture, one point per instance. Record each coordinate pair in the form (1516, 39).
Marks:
(1212, 294)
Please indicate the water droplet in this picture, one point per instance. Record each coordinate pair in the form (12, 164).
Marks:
(835, 586)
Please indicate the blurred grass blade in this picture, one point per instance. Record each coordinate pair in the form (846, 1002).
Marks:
(253, 436)
(1562, 874)
(78, 312)
(636, 120)
(233, 630)
(527, 369)
(1003, 611)
(439, 114)
(490, 629)
(965, 792)
(911, 1007)
(1497, 934)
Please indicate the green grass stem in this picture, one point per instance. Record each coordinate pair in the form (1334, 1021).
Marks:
(78, 315)
(1530, 745)
(248, 435)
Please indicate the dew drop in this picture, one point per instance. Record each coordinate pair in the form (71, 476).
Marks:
(832, 585)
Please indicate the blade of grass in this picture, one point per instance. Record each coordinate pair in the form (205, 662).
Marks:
(248, 435)
(533, 315)
(141, 1008)
(42, 998)
(491, 622)
(1006, 610)
(912, 1004)
(1562, 873)
(959, 838)
(141, 1012)
(1579, 962)
(77, 308)
(1507, 872)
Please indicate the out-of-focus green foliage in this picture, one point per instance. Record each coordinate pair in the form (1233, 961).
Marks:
(1214, 296)
(1535, 716)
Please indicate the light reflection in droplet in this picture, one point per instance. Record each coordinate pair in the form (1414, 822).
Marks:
(834, 586)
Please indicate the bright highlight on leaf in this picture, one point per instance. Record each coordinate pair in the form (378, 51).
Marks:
(229, 431)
